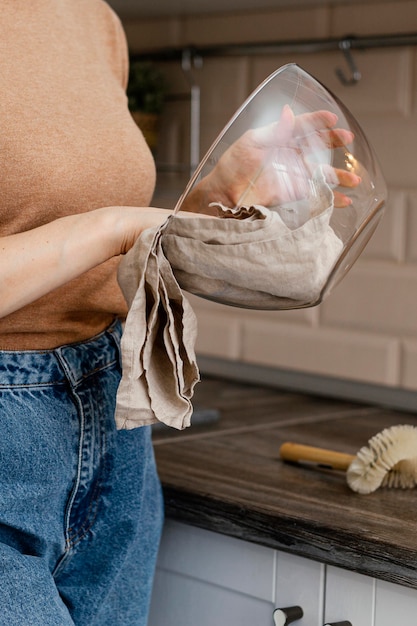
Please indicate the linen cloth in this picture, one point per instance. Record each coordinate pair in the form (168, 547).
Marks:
(247, 257)
(261, 259)
(158, 356)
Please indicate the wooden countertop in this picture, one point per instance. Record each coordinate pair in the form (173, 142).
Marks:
(226, 476)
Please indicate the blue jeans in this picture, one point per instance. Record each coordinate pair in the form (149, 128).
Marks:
(80, 502)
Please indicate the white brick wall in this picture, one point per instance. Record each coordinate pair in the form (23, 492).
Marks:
(367, 329)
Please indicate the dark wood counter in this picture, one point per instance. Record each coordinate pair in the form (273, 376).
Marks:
(226, 476)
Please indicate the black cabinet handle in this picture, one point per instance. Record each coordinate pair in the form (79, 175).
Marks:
(283, 617)
(345, 623)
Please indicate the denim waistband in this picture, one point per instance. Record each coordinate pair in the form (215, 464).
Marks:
(72, 362)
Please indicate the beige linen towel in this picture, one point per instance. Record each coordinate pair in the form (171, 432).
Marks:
(262, 259)
(249, 258)
(158, 358)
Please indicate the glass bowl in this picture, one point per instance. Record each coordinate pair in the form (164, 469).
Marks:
(287, 198)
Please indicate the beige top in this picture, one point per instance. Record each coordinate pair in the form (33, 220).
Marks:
(68, 145)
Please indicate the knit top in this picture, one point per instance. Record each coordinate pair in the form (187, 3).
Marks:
(68, 145)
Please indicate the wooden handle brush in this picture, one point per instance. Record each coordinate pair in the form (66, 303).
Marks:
(300, 453)
(389, 460)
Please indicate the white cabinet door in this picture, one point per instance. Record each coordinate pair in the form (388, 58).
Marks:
(208, 579)
(349, 596)
(300, 582)
(395, 605)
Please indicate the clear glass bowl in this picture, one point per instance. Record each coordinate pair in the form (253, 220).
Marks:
(318, 226)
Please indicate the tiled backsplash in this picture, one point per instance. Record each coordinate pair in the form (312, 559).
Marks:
(367, 329)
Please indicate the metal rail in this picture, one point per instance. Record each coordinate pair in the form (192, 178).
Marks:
(280, 47)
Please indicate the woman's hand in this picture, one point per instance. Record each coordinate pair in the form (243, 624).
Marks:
(272, 165)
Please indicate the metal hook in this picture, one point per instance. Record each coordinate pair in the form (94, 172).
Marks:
(345, 47)
(189, 60)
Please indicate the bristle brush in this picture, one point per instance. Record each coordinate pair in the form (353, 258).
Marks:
(388, 460)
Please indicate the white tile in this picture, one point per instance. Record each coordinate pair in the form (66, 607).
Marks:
(327, 352)
(393, 138)
(409, 364)
(388, 243)
(224, 86)
(411, 240)
(375, 297)
(278, 25)
(152, 34)
(219, 335)
(367, 18)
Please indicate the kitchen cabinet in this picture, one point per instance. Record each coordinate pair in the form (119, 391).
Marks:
(349, 596)
(247, 533)
(300, 582)
(209, 579)
(394, 604)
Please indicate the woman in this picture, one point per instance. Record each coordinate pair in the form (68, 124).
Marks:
(80, 503)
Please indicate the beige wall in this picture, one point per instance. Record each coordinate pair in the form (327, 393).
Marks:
(367, 330)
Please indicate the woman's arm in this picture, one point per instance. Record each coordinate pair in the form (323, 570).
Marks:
(35, 262)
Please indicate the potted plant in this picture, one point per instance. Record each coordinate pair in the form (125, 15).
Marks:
(146, 93)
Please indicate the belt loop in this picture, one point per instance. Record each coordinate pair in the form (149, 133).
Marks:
(116, 332)
(67, 370)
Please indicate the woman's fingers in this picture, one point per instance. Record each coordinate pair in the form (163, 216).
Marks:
(315, 130)
(314, 120)
(342, 178)
(337, 138)
(306, 132)
(340, 200)
(320, 139)
(338, 176)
